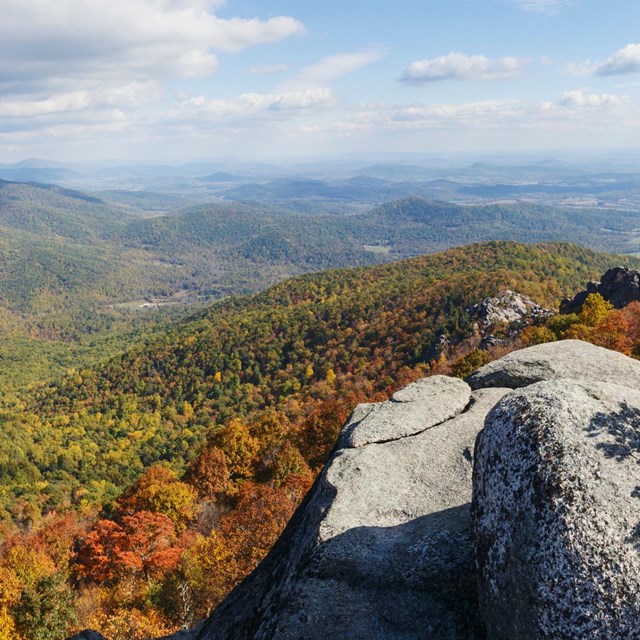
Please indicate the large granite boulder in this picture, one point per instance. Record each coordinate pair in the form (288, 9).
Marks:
(556, 513)
(569, 359)
(381, 546)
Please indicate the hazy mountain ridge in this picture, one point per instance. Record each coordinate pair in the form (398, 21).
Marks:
(214, 249)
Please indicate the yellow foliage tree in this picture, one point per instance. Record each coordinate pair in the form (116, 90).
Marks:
(594, 310)
(239, 446)
(10, 588)
(211, 571)
(8, 629)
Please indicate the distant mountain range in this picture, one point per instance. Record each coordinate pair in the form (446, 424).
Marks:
(227, 247)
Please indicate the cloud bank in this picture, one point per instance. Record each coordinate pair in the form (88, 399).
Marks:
(61, 43)
(459, 66)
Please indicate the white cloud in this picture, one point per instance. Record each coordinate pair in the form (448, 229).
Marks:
(68, 41)
(591, 100)
(459, 66)
(96, 64)
(250, 108)
(547, 7)
(573, 111)
(268, 70)
(131, 95)
(624, 61)
(335, 66)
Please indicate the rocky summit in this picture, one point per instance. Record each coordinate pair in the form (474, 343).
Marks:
(508, 307)
(506, 508)
(619, 285)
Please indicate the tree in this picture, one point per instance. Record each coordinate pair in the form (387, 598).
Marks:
(209, 571)
(146, 544)
(534, 334)
(465, 366)
(160, 491)
(8, 629)
(149, 546)
(594, 310)
(318, 432)
(239, 447)
(45, 610)
(287, 462)
(99, 556)
(209, 474)
(252, 528)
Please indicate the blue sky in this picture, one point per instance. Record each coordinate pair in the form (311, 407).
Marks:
(172, 80)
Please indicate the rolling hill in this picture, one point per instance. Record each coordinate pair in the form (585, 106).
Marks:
(73, 266)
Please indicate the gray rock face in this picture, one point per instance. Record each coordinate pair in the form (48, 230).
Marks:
(424, 404)
(381, 546)
(506, 308)
(556, 513)
(88, 635)
(569, 359)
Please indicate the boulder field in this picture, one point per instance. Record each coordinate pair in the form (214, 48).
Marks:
(502, 508)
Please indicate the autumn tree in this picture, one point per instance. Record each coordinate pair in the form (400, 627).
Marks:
(99, 556)
(239, 447)
(160, 491)
(252, 528)
(594, 310)
(318, 432)
(45, 610)
(150, 544)
(146, 543)
(208, 571)
(209, 474)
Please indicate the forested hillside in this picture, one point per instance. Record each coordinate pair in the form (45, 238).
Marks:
(49, 210)
(63, 249)
(138, 492)
(76, 269)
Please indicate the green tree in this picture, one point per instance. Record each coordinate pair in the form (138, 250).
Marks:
(45, 610)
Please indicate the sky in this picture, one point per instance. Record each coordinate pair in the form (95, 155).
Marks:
(176, 80)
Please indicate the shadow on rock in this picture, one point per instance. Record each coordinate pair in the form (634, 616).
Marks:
(411, 581)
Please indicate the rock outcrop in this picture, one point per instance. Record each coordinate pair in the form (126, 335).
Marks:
(508, 307)
(619, 285)
(569, 359)
(556, 513)
(507, 314)
(384, 546)
(381, 547)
